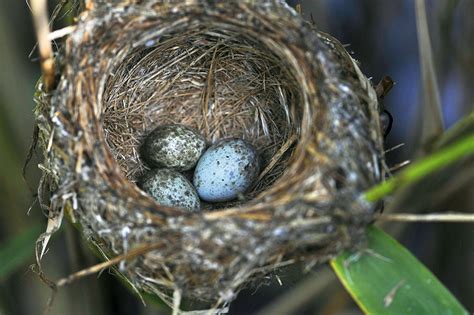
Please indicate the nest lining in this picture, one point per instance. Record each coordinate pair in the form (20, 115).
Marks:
(129, 67)
(219, 81)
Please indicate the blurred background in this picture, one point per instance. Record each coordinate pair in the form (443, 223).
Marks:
(380, 34)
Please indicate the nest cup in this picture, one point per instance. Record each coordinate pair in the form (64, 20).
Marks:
(253, 70)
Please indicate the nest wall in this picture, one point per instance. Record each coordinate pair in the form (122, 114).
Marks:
(252, 69)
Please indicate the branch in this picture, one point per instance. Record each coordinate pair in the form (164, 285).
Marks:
(39, 11)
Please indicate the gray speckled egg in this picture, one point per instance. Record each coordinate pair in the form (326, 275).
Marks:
(173, 146)
(225, 170)
(170, 188)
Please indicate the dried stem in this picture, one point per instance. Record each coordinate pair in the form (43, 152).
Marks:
(431, 217)
(39, 11)
(97, 268)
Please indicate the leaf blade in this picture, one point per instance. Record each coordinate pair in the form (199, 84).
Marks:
(388, 279)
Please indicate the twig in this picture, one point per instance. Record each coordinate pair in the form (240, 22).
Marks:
(394, 148)
(384, 86)
(176, 301)
(399, 166)
(97, 268)
(284, 148)
(388, 300)
(61, 32)
(431, 217)
(40, 18)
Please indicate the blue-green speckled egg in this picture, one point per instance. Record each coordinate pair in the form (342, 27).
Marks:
(173, 146)
(171, 189)
(226, 170)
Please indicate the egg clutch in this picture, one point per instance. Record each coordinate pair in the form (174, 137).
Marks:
(183, 172)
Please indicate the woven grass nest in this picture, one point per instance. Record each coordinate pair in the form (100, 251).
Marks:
(249, 69)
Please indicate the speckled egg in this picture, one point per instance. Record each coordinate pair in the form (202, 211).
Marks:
(173, 146)
(225, 170)
(170, 188)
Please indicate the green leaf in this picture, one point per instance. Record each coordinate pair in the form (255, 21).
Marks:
(17, 251)
(387, 279)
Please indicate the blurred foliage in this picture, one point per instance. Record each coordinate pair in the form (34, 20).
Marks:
(18, 251)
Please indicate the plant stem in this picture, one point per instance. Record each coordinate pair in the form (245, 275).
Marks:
(420, 169)
(431, 217)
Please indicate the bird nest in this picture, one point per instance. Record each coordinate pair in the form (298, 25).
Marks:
(248, 69)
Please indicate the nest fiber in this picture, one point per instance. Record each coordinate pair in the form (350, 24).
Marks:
(248, 69)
